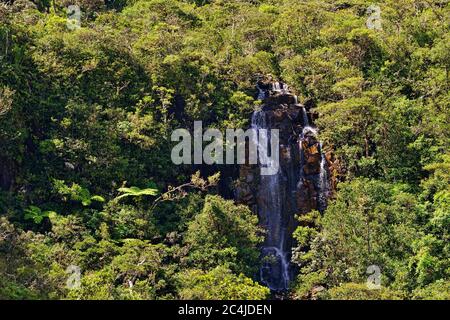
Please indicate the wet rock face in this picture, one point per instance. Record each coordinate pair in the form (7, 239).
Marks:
(301, 185)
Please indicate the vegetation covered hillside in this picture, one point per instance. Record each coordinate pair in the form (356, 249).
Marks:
(92, 207)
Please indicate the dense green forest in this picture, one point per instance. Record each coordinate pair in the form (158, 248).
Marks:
(86, 115)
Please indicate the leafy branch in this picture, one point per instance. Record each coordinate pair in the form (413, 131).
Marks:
(136, 192)
(179, 192)
(36, 214)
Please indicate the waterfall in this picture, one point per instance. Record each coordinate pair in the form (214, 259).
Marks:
(275, 269)
(276, 87)
(323, 181)
(305, 117)
(299, 185)
(305, 120)
(308, 129)
(261, 93)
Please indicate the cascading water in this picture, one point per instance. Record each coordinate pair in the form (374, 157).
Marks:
(303, 110)
(277, 87)
(323, 181)
(261, 93)
(305, 117)
(275, 270)
(307, 129)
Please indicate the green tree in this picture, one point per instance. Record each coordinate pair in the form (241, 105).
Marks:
(224, 234)
(219, 284)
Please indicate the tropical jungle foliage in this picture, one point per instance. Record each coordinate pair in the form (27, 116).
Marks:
(86, 116)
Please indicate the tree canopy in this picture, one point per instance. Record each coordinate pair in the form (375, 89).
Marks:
(86, 116)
